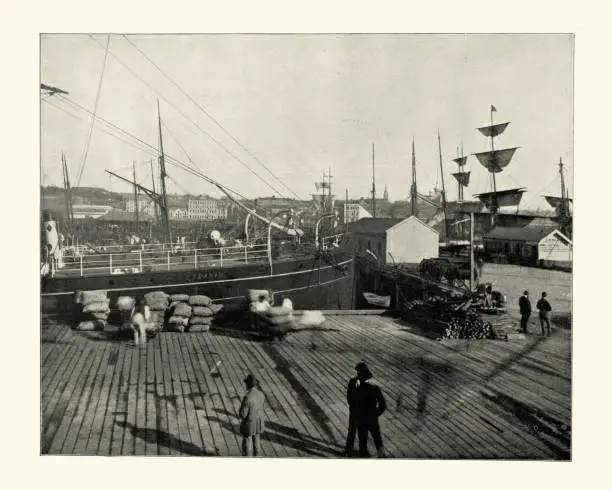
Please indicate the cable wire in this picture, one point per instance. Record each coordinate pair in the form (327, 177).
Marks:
(91, 126)
(248, 152)
(206, 133)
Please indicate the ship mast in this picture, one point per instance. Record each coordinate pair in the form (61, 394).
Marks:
(153, 187)
(373, 186)
(413, 187)
(447, 237)
(495, 161)
(162, 174)
(135, 195)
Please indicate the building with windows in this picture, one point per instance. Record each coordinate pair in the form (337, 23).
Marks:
(145, 206)
(206, 208)
(531, 245)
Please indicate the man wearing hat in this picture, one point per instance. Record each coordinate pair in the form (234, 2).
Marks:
(251, 415)
(525, 309)
(369, 405)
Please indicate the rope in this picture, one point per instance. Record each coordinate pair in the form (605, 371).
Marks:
(91, 126)
(191, 121)
(209, 115)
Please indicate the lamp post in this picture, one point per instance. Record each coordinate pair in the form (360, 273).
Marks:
(325, 216)
(284, 214)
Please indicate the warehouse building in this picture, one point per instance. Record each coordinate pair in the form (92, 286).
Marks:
(542, 246)
(394, 240)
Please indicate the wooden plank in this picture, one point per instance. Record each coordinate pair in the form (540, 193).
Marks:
(121, 418)
(141, 410)
(197, 394)
(53, 411)
(74, 388)
(151, 448)
(173, 436)
(92, 402)
(110, 415)
(218, 396)
(74, 429)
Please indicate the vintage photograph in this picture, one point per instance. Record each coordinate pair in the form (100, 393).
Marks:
(306, 245)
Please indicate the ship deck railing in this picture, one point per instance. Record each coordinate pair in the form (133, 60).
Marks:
(158, 260)
(140, 260)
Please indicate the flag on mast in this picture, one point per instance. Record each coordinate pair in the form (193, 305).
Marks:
(493, 109)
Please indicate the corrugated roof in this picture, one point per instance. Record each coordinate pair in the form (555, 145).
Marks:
(373, 226)
(529, 234)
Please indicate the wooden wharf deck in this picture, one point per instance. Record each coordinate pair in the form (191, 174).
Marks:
(180, 395)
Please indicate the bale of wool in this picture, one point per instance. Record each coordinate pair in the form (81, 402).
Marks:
(200, 320)
(176, 327)
(100, 315)
(98, 307)
(91, 325)
(199, 300)
(279, 311)
(216, 308)
(202, 311)
(173, 304)
(255, 295)
(158, 304)
(178, 320)
(156, 295)
(198, 328)
(125, 303)
(78, 297)
(179, 297)
(181, 309)
(260, 306)
(277, 320)
(312, 318)
(89, 297)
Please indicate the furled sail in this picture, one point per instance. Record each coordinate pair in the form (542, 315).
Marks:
(461, 161)
(509, 197)
(462, 177)
(495, 161)
(494, 130)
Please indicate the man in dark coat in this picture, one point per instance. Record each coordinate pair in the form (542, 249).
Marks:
(369, 405)
(251, 415)
(544, 307)
(351, 398)
(525, 308)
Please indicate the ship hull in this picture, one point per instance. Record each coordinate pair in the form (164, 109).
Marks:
(321, 282)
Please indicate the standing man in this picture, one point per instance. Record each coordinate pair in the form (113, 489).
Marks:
(544, 307)
(351, 398)
(525, 308)
(369, 405)
(251, 415)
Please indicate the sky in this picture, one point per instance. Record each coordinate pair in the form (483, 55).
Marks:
(301, 104)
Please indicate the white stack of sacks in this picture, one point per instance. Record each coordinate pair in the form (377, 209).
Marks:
(93, 310)
(201, 313)
(157, 302)
(276, 320)
(125, 306)
(179, 312)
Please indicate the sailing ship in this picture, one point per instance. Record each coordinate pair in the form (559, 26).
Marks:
(495, 161)
(562, 204)
(313, 273)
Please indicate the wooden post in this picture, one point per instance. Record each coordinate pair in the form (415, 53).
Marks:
(246, 254)
(110, 257)
(471, 252)
(81, 257)
(195, 258)
(140, 259)
(168, 255)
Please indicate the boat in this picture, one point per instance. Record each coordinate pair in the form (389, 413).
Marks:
(313, 273)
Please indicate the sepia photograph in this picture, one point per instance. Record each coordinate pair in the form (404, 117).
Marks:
(306, 245)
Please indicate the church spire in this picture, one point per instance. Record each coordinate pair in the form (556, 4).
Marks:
(386, 194)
